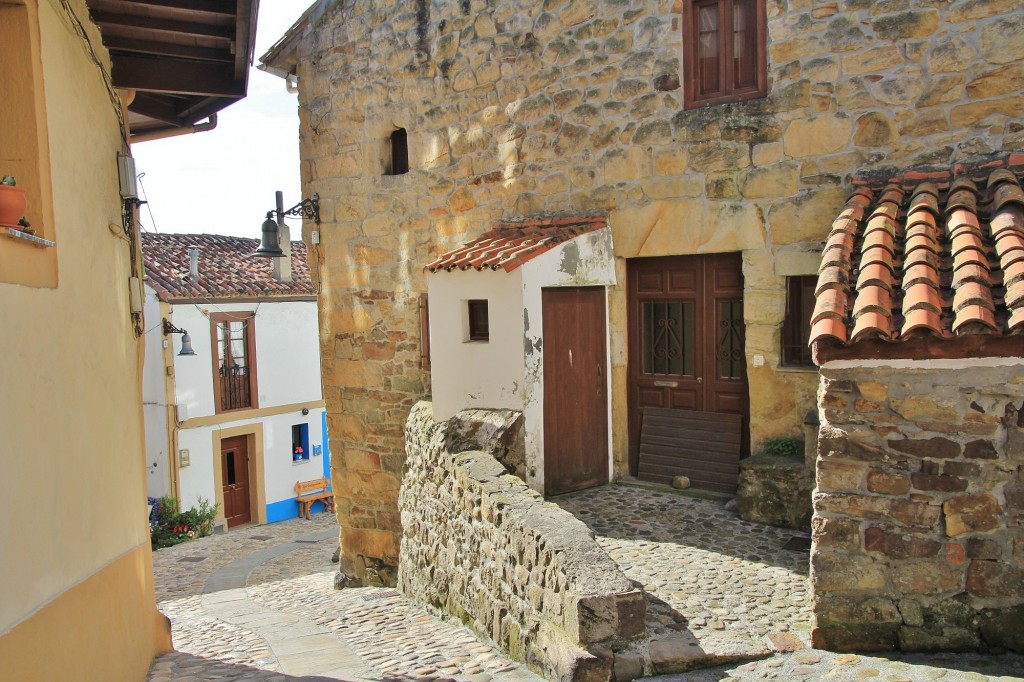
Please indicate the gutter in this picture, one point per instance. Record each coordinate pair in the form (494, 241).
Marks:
(210, 124)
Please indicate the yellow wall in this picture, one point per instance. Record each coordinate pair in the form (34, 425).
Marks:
(75, 565)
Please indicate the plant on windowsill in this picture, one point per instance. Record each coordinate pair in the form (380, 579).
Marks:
(12, 205)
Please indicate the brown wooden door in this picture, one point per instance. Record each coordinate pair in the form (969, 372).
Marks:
(575, 389)
(686, 338)
(235, 477)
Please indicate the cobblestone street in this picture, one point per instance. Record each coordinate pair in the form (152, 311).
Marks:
(259, 604)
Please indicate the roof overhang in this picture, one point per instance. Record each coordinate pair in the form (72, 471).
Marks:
(282, 59)
(185, 60)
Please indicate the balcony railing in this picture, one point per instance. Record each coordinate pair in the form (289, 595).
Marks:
(235, 392)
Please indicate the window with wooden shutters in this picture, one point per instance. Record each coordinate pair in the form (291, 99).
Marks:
(796, 328)
(234, 370)
(724, 56)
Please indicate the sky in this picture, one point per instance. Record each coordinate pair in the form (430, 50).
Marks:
(223, 181)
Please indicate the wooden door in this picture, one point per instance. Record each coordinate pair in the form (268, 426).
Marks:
(686, 338)
(575, 389)
(235, 478)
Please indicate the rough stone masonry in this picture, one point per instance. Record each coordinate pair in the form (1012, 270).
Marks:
(918, 529)
(482, 546)
(520, 107)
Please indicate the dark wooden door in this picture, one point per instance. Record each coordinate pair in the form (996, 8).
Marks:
(686, 338)
(575, 389)
(235, 478)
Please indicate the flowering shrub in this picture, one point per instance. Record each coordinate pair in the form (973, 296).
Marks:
(169, 527)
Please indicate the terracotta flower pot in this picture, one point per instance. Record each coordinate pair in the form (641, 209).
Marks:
(12, 205)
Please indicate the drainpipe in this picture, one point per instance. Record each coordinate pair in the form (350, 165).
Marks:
(210, 124)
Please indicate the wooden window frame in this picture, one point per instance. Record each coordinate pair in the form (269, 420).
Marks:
(796, 326)
(250, 350)
(473, 330)
(424, 332)
(25, 149)
(728, 92)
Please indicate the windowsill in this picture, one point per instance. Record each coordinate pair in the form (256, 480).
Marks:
(18, 235)
(796, 369)
(477, 341)
(296, 462)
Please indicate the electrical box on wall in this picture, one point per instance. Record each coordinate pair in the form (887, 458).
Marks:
(126, 177)
(135, 293)
(184, 458)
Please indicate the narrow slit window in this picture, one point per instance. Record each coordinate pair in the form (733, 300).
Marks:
(399, 152)
(479, 326)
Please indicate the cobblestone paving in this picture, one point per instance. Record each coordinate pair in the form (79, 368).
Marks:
(181, 571)
(705, 567)
(394, 639)
(706, 571)
(720, 573)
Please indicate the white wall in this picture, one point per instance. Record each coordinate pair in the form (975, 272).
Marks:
(508, 372)
(154, 400)
(475, 373)
(587, 260)
(287, 354)
(280, 473)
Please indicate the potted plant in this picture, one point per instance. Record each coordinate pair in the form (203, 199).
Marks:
(12, 203)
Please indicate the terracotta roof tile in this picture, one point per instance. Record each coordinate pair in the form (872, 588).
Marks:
(938, 254)
(227, 268)
(511, 244)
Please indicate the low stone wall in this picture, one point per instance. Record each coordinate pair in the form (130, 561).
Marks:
(480, 545)
(918, 529)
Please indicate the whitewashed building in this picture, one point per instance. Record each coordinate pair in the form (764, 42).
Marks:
(242, 419)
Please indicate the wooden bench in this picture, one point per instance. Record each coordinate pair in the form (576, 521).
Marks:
(308, 492)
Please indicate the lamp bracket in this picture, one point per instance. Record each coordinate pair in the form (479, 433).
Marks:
(307, 208)
(171, 329)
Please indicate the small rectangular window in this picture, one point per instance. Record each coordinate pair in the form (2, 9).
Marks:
(724, 51)
(796, 328)
(479, 327)
(300, 442)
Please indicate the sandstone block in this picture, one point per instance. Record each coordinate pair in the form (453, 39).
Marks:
(887, 482)
(935, 638)
(777, 180)
(995, 579)
(875, 59)
(926, 578)
(904, 25)
(816, 136)
(939, 482)
(899, 546)
(1001, 41)
(980, 449)
(927, 447)
(840, 476)
(836, 533)
(875, 129)
(971, 513)
(906, 512)
(1004, 627)
(846, 574)
(968, 115)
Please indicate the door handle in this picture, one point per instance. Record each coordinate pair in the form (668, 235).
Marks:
(700, 380)
(599, 375)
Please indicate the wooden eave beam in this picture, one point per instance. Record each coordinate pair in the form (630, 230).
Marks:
(152, 47)
(176, 76)
(245, 24)
(156, 107)
(153, 25)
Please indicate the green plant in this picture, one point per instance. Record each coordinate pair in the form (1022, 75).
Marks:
(8, 180)
(172, 527)
(787, 446)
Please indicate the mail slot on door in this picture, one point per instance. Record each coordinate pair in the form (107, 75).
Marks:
(667, 384)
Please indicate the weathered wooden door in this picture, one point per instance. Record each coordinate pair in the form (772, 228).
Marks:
(575, 389)
(235, 478)
(686, 338)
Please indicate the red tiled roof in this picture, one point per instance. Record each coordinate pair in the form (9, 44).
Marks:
(511, 244)
(226, 268)
(938, 255)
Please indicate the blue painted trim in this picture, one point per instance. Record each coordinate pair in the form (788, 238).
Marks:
(327, 445)
(288, 509)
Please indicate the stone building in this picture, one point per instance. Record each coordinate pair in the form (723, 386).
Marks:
(425, 123)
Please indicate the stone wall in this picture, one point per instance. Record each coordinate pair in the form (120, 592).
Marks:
(519, 107)
(482, 546)
(918, 538)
